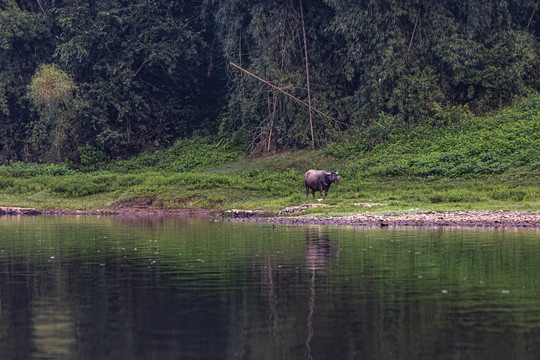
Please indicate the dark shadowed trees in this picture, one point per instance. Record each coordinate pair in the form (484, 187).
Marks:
(149, 72)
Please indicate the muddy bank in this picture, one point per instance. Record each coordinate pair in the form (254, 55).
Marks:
(524, 219)
(4, 210)
(8, 210)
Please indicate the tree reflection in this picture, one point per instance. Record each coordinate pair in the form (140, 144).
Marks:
(53, 328)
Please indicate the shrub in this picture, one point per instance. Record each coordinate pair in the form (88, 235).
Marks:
(83, 185)
(183, 156)
(90, 158)
(509, 194)
(28, 170)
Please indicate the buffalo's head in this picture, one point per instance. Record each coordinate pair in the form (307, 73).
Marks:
(332, 176)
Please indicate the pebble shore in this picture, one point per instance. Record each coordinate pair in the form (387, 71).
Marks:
(521, 219)
(516, 219)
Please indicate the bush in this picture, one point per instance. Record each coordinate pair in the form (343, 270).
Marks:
(90, 158)
(477, 146)
(24, 170)
(509, 195)
(83, 185)
(453, 196)
(183, 156)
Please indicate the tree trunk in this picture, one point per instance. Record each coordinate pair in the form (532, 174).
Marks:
(307, 76)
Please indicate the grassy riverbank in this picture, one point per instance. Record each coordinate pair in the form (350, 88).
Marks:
(490, 163)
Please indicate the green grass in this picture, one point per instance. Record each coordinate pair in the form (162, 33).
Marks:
(270, 191)
(490, 163)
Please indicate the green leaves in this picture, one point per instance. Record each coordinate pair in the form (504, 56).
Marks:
(266, 39)
(55, 133)
(183, 156)
(143, 74)
(25, 42)
(143, 71)
(478, 146)
(456, 54)
(51, 87)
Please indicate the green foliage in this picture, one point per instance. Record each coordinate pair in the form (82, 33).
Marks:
(127, 78)
(405, 58)
(78, 186)
(510, 194)
(29, 170)
(55, 133)
(477, 146)
(50, 87)
(146, 75)
(182, 156)
(26, 41)
(144, 68)
(266, 38)
(90, 157)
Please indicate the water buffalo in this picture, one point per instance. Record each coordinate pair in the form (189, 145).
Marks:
(319, 180)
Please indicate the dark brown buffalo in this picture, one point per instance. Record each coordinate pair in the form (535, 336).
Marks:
(319, 180)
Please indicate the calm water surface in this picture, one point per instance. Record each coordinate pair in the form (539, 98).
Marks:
(196, 288)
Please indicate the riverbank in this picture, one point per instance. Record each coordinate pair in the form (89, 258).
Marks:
(461, 175)
(494, 219)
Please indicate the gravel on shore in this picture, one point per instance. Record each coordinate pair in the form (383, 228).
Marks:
(523, 219)
(470, 218)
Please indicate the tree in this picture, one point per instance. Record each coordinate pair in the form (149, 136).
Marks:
(25, 42)
(266, 38)
(410, 58)
(152, 71)
(141, 67)
(55, 134)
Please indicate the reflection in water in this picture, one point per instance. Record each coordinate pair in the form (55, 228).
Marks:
(319, 251)
(169, 288)
(287, 297)
(311, 311)
(53, 328)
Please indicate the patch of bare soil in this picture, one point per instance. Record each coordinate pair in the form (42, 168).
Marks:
(134, 203)
(9, 210)
(148, 206)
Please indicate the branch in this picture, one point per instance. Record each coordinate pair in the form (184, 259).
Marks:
(284, 92)
(532, 15)
(412, 36)
(41, 7)
(140, 67)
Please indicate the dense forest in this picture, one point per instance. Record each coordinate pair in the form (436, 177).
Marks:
(113, 78)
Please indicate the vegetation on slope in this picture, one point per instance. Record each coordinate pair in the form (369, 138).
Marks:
(484, 163)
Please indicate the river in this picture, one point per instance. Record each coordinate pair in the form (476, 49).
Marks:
(159, 287)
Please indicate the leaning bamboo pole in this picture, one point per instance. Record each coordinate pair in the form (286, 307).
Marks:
(283, 91)
(307, 76)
